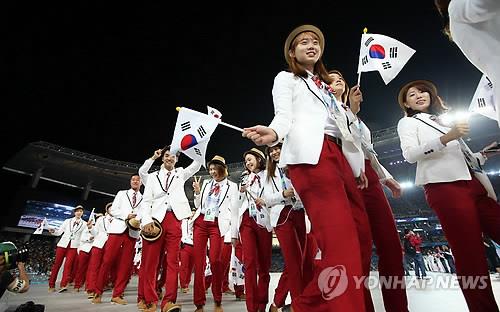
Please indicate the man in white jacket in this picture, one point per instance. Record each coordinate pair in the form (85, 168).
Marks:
(119, 249)
(165, 201)
(71, 229)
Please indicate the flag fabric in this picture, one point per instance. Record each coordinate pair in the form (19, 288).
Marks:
(192, 133)
(383, 54)
(92, 216)
(237, 270)
(214, 112)
(483, 101)
(39, 229)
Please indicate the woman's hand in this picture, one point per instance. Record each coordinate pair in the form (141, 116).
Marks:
(260, 135)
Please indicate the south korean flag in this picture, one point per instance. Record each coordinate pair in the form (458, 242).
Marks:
(383, 54)
(483, 101)
(192, 133)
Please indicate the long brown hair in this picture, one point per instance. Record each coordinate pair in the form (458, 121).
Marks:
(319, 67)
(271, 164)
(344, 96)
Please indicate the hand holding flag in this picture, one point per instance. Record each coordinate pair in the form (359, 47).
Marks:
(39, 229)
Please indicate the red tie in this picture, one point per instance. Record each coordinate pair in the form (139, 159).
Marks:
(166, 182)
(215, 189)
(134, 199)
(256, 177)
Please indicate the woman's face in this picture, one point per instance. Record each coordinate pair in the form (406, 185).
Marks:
(308, 50)
(338, 84)
(274, 153)
(215, 173)
(417, 100)
(251, 163)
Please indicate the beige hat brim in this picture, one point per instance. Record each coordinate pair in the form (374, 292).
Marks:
(297, 31)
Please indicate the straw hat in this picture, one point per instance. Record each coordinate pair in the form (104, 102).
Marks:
(297, 31)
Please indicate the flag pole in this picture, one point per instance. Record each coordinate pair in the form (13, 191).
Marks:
(365, 30)
(221, 122)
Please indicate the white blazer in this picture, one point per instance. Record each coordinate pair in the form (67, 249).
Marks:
(86, 240)
(187, 232)
(436, 162)
(229, 201)
(144, 170)
(366, 142)
(273, 196)
(70, 232)
(121, 208)
(244, 200)
(300, 119)
(475, 25)
(157, 198)
(100, 230)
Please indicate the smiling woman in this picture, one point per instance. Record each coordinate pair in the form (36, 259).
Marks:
(455, 187)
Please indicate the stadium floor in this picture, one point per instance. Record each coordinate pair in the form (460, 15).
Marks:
(422, 298)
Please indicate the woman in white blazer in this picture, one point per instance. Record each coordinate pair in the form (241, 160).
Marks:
(452, 189)
(382, 225)
(250, 223)
(288, 221)
(70, 229)
(214, 201)
(323, 160)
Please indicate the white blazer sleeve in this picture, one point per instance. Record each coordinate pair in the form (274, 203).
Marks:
(147, 202)
(190, 170)
(60, 230)
(282, 98)
(115, 209)
(473, 11)
(271, 195)
(412, 150)
(143, 170)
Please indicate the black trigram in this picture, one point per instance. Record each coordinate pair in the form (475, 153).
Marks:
(481, 102)
(367, 42)
(201, 131)
(364, 60)
(197, 151)
(490, 84)
(386, 65)
(393, 52)
(185, 126)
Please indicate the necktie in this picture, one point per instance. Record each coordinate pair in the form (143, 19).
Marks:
(166, 182)
(134, 199)
(215, 189)
(256, 177)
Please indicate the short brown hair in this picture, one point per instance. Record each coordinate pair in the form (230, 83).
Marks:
(436, 106)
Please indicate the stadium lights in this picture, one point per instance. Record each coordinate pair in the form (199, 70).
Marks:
(406, 185)
(452, 117)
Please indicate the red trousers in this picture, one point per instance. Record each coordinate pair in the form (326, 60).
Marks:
(239, 290)
(225, 258)
(465, 212)
(202, 231)
(309, 261)
(291, 233)
(93, 268)
(340, 226)
(187, 265)
(159, 283)
(257, 249)
(83, 263)
(387, 243)
(169, 242)
(119, 250)
(61, 253)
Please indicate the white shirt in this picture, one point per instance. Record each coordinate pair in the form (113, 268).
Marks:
(475, 28)
(71, 229)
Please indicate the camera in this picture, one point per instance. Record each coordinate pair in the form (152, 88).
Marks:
(12, 255)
